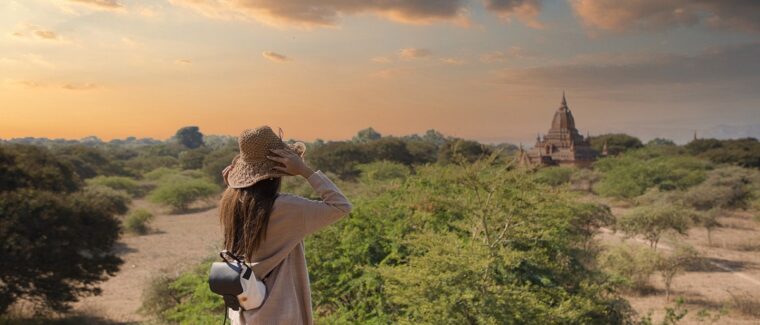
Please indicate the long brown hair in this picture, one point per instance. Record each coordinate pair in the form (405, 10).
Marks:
(244, 214)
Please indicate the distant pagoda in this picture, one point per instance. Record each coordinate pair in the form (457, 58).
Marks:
(563, 145)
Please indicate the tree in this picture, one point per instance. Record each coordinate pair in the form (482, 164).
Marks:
(44, 257)
(459, 150)
(366, 135)
(674, 264)
(653, 221)
(616, 143)
(190, 137)
(660, 142)
(339, 157)
(391, 149)
(192, 159)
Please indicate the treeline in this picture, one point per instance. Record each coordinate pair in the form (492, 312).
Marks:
(523, 257)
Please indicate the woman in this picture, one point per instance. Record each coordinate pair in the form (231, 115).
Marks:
(268, 228)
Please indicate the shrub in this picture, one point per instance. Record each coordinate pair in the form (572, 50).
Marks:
(383, 171)
(554, 176)
(180, 191)
(725, 187)
(183, 300)
(633, 173)
(121, 183)
(630, 266)
(108, 199)
(159, 173)
(137, 221)
(217, 160)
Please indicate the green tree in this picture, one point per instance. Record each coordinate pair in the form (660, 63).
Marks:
(367, 135)
(653, 221)
(43, 213)
(339, 157)
(674, 264)
(617, 143)
(660, 142)
(192, 159)
(189, 136)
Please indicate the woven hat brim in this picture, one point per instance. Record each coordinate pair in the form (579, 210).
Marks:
(243, 173)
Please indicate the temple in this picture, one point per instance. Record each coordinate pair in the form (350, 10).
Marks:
(562, 146)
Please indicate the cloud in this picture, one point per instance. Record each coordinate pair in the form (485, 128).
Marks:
(275, 57)
(414, 53)
(34, 32)
(526, 11)
(391, 73)
(183, 62)
(79, 86)
(452, 61)
(620, 16)
(381, 60)
(100, 4)
(514, 52)
(35, 84)
(736, 64)
(326, 13)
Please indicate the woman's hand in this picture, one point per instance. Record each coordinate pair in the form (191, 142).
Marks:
(292, 163)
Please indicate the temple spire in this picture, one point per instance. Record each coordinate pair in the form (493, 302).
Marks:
(564, 101)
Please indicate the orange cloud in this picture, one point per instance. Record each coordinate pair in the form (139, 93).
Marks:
(308, 14)
(36, 32)
(100, 4)
(414, 53)
(526, 11)
(79, 86)
(275, 57)
(620, 16)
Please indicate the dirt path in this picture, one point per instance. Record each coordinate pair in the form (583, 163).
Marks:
(177, 242)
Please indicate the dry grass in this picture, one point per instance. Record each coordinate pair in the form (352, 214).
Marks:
(746, 305)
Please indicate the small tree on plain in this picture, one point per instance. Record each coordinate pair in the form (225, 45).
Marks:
(653, 221)
(674, 264)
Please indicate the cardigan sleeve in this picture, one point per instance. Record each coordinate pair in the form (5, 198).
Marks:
(333, 205)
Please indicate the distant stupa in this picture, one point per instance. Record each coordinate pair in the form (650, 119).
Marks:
(563, 145)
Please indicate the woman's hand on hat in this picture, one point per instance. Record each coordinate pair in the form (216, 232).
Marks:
(291, 163)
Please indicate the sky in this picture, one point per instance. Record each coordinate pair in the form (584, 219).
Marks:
(491, 70)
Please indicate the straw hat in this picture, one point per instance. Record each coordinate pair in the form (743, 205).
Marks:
(252, 165)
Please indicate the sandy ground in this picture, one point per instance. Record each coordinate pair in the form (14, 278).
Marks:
(176, 243)
(731, 269)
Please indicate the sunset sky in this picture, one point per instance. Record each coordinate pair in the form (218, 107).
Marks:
(492, 70)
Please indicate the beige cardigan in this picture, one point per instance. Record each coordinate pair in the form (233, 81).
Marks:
(281, 255)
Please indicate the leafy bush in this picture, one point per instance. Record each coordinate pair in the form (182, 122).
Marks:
(217, 160)
(137, 221)
(45, 258)
(630, 266)
(633, 173)
(121, 183)
(159, 173)
(180, 191)
(107, 199)
(725, 187)
(383, 171)
(183, 300)
(554, 176)
(193, 159)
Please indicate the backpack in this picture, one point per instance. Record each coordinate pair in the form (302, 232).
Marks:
(234, 280)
